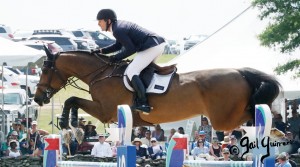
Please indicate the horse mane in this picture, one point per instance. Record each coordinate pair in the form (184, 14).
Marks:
(96, 55)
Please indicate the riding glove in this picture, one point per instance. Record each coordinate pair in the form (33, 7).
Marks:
(113, 59)
(95, 51)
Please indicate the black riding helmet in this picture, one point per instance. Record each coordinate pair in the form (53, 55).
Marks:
(106, 14)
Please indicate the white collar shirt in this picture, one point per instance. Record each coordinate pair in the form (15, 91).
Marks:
(102, 150)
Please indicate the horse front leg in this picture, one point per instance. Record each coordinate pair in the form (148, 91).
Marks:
(70, 103)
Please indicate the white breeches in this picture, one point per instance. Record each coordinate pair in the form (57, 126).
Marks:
(143, 59)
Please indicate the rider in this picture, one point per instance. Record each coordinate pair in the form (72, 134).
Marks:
(134, 39)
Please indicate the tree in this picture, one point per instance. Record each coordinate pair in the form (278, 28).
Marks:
(283, 32)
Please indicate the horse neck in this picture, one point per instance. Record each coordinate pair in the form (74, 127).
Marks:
(81, 66)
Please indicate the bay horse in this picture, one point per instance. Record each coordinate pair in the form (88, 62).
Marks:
(226, 96)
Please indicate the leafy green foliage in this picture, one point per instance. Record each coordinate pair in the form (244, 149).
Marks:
(284, 31)
(290, 66)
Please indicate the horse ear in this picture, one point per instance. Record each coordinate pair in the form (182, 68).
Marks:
(48, 53)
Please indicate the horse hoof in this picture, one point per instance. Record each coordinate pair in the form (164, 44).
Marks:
(74, 124)
(63, 125)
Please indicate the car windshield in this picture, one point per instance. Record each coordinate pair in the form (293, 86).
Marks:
(10, 98)
(2, 30)
(77, 33)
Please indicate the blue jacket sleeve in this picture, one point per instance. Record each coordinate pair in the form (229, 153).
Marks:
(123, 41)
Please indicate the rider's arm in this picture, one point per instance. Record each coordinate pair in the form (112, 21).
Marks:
(126, 42)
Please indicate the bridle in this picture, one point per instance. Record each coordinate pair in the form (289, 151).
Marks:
(49, 66)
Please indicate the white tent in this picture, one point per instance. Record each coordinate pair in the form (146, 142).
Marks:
(17, 54)
(235, 46)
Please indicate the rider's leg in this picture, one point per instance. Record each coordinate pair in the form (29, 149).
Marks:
(141, 61)
(141, 101)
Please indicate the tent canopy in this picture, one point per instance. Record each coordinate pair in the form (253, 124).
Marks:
(236, 46)
(17, 54)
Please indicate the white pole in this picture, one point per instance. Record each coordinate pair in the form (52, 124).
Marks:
(26, 89)
(3, 114)
(52, 116)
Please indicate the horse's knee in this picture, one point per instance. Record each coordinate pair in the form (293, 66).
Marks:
(71, 102)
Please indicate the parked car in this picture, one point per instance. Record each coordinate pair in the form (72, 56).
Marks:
(193, 40)
(32, 80)
(5, 32)
(172, 47)
(39, 44)
(60, 32)
(21, 35)
(14, 101)
(81, 34)
(86, 44)
(65, 42)
(101, 39)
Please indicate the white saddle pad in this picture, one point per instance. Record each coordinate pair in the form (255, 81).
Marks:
(159, 83)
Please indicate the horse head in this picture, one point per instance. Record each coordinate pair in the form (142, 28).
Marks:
(51, 79)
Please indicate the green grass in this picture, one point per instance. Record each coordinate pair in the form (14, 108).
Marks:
(45, 112)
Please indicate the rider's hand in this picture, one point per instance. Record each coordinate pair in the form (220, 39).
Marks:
(95, 51)
(113, 59)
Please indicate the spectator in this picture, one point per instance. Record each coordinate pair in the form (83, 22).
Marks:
(180, 130)
(17, 128)
(282, 160)
(155, 150)
(220, 135)
(172, 132)
(158, 133)
(215, 148)
(293, 163)
(196, 136)
(226, 154)
(278, 123)
(206, 128)
(237, 132)
(141, 132)
(200, 149)
(233, 142)
(81, 121)
(13, 151)
(115, 148)
(35, 146)
(90, 130)
(225, 142)
(140, 151)
(24, 146)
(202, 136)
(294, 122)
(102, 148)
(294, 144)
(147, 139)
(248, 157)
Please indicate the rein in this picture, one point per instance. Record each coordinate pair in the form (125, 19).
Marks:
(49, 65)
(107, 64)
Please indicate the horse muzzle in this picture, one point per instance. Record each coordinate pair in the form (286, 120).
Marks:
(41, 100)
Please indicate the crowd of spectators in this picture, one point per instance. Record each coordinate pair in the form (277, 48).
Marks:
(19, 142)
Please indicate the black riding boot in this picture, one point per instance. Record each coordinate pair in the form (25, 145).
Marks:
(141, 101)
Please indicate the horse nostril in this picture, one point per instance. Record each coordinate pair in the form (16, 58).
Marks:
(36, 100)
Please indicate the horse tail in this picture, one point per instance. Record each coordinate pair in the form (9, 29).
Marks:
(264, 88)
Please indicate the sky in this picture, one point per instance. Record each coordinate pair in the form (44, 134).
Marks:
(172, 19)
